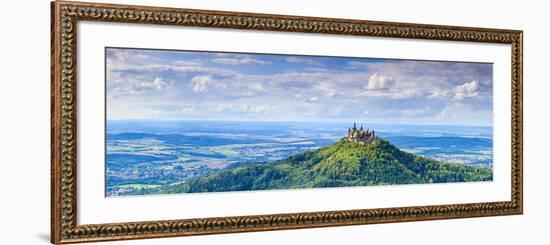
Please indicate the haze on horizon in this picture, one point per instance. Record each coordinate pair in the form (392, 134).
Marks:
(186, 85)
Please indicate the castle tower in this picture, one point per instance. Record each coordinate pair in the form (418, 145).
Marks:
(360, 136)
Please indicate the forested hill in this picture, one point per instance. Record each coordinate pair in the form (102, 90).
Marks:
(342, 164)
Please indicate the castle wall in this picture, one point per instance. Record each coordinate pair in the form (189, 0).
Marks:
(360, 136)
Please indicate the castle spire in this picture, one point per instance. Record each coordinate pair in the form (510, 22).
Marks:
(360, 136)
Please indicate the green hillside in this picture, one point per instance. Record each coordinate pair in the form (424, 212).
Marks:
(342, 164)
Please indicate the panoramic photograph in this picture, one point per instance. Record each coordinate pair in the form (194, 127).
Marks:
(195, 121)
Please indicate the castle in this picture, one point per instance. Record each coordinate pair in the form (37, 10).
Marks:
(361, 136)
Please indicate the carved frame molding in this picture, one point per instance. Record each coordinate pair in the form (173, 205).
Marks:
(66, 15)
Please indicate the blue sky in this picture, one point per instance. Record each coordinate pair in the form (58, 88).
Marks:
(187, 85)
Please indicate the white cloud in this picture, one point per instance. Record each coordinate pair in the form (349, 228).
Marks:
(319, 69)
(160, 68)
(128, 55)
(253, 109)
(200, 83)
(240, 85)
(188, 110)
(221, 85)
(219, 108)
(391, 94)
(380, 82)
(159, 83)
(465, 113)
(302, 60)
(125, 86)
(467, 90)
(358, 64)
(187, 63)
(240, 61)
(328, 89)
(415, 112)
(313, 99)
(406, 93)
(438, 94)
(256, 86)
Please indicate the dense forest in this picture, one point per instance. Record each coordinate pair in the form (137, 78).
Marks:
(342, 164)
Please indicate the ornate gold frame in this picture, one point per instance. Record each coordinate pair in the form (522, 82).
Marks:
(65, 15)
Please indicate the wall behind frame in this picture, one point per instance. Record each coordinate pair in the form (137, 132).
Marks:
(25, 105)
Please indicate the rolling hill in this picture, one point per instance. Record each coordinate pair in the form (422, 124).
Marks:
(342, 164)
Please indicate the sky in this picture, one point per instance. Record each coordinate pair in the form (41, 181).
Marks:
(192, 85)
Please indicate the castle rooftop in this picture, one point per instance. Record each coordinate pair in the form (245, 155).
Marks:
(360, 136)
